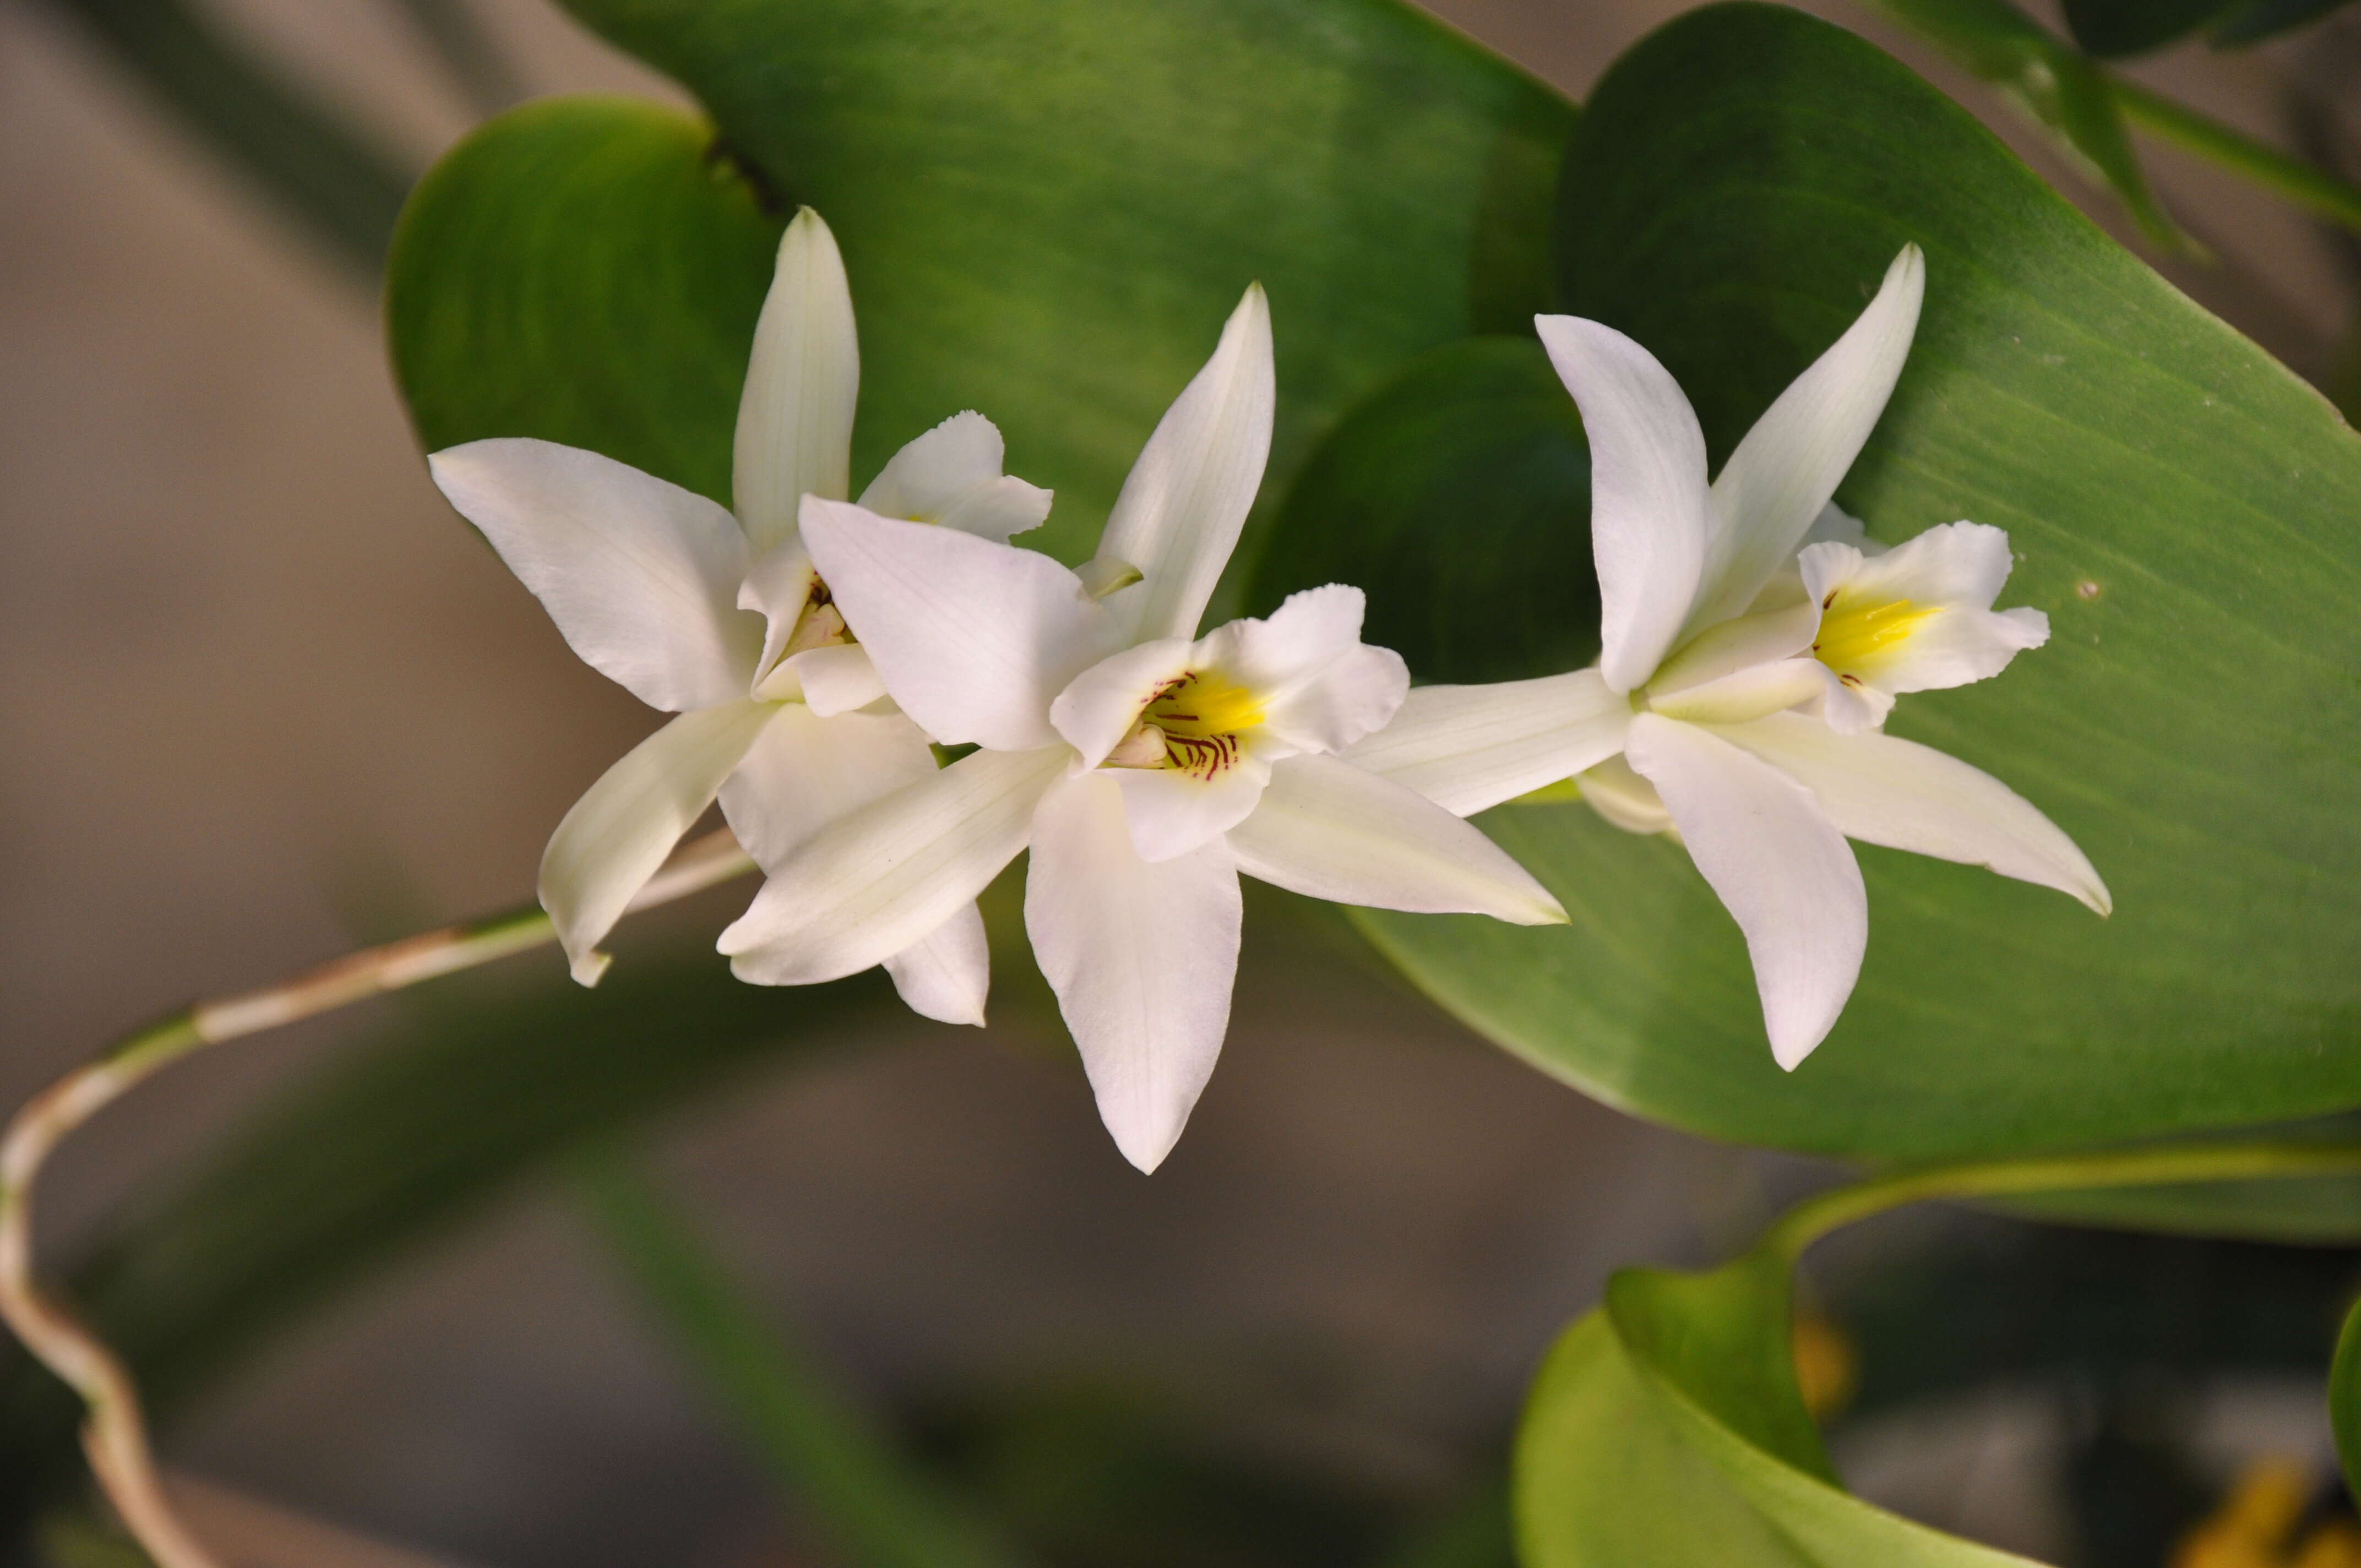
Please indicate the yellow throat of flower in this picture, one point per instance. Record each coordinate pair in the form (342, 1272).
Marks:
(1853, 635)
(1199, 718)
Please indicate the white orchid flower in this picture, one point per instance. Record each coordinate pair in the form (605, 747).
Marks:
(721, 620)
(1144, 765)
(1752, 646)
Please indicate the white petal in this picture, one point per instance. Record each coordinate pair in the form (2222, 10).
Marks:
(1103, 704)
(1467, 749)
(1327, 829)
(872, 884)
(1949, 577)
(1171, 812)
(1851, 709)
(1770, 493)
(945, 976)
(1727, 647)
(1883, 790)
(640, 575)
(619, 833)
(805, 771)
(1319, 687)
(795, 417)
(1624, 798)
(1648, 498)
(778, 587)
(838, 678)
(1142, 957)
(1779, 865)
(952, 476)
(1748, 694)
(1954, 564)
(1179, 515)
(973, 639)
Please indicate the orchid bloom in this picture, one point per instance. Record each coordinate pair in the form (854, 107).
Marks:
(1752, 644)
(722, 619)
(1144, 765)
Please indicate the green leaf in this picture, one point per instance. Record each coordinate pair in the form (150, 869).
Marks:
(1047, 208)
(391, 1146)
(2344, 1399)
(1666, 1427)
(2268, 18)
(2113, 29)
(585, 270)
(2183, 506)
(1458, 498)
(2051, 81)
(825, 1452)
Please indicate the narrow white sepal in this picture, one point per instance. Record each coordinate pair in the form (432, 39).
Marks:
(972, 639)
(619, 834)
(1143, 958)
(641, 575)
(946, 974)
(1884, 790)
(1772, 490)
(1469, 749)
(1178, 517)
(1648, 498)
(1328, 829)
(872, 882)
(794, 416)
(805, 771)
(1779, 866)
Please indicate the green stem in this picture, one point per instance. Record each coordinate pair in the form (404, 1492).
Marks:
(115, 1433)
(2168, 1167)
(825, 1452)
(2306, 184)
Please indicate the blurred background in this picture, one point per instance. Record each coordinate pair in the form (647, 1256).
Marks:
(268, 699)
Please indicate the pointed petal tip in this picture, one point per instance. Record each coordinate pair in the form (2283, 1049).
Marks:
(1146, 1147)
(589, 967)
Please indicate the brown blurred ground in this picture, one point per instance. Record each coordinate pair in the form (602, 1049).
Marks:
(260, 681)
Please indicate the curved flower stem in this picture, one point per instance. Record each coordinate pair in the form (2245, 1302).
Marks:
(2155, 1166)
(115, 1433)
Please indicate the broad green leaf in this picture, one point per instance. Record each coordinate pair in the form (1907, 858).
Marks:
(2051, 81)
(2112, 29)
(393, 1144)
(587, 271)
(2344, 1399)
(2183, 508)
(1047, 208)
(1458, 498)
(2262, 19)
(1666, 1427)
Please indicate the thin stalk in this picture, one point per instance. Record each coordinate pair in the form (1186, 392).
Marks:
(824, 1451)
(2166, 1167)
(115, 1433)
(2306, 184)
